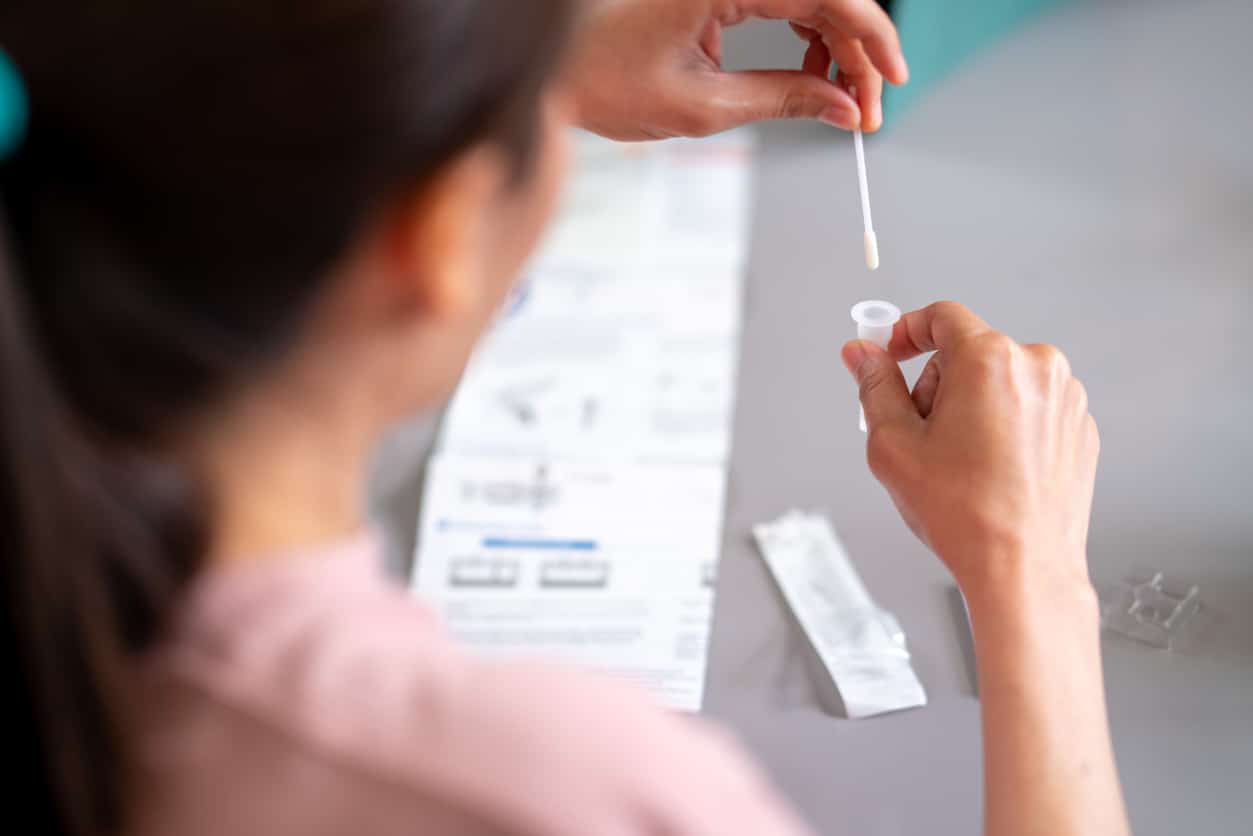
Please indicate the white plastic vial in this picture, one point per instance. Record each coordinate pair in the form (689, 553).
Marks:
(875, 320)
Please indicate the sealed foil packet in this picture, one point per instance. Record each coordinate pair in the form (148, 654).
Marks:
(861, 646)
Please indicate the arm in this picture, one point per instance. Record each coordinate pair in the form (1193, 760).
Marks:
(1048, 764)
(991, 461)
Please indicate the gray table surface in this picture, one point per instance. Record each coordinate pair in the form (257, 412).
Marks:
(1088, 182)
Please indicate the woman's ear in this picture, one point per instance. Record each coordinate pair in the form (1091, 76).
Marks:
(436, 236)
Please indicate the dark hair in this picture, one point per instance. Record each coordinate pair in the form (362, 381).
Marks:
(191, 174)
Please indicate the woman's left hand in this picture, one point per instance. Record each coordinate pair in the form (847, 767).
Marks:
(648, 69)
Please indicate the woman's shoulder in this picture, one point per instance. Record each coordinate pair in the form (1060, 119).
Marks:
(321, 666)
(283, 675)
(322, 647)
(303, 636)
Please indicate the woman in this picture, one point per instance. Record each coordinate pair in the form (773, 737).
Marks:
(241, 240)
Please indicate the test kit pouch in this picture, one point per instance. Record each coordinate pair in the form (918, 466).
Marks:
(861, 646)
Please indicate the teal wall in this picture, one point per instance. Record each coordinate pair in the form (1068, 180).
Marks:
(940, 35)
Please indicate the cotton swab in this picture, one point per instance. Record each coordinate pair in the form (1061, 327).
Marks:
(870, 241)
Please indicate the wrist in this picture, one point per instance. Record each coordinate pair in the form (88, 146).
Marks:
(1026, 619)
(1045, 584)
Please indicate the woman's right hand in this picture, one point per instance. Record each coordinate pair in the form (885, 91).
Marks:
(992, 462)
(992, 459)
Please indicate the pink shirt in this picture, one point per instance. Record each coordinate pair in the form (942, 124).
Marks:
(308, 696)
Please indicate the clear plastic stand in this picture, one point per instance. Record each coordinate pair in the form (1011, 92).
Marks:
(1151, 609)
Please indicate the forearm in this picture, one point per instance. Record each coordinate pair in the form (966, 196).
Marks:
(1048, 763)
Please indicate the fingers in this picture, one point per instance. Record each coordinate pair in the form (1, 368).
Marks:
(859, 77)
(1077, 393)
(1093, 436)
(817, 60)
(804, 32)
(884, 394)
(744, 97)
(1051, 365)
(1067, 394)
(863, 20)
(927, 386)
(937, 327)
(1055, 373)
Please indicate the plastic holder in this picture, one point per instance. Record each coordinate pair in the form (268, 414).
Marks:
(1154, 610)
(875, 320)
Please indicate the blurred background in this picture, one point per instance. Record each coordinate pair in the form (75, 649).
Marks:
(1079, 173)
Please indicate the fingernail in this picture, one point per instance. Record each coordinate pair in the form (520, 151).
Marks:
(839, 117)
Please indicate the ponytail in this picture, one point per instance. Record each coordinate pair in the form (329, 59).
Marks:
(97, 541)
(64, 720)
(95, 548)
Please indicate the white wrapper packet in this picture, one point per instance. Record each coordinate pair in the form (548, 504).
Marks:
(861, 647)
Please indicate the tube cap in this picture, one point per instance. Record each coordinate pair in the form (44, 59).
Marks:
(875, 319)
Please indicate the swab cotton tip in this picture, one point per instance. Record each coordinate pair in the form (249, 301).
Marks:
(875, 320)
(872, 250)
(863, 187)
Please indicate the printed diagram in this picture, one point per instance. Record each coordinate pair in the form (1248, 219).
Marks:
(539, 401)
(538, 493)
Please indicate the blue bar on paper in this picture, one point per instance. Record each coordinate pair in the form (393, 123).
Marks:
(539, 544)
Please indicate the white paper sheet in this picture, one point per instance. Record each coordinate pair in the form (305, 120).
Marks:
(574, 508)
(643, 205)
(606, 566)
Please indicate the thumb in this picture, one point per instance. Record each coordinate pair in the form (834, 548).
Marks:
(757, 95)
(884, 394)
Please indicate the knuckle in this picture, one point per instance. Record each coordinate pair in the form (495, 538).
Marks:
(870, 383)
(867, 385)
(948, 309)
(1052, 360)
(998, 344)
(992, 350)
(792, 105)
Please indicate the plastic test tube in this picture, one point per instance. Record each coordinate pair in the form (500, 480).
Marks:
(875, 320)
